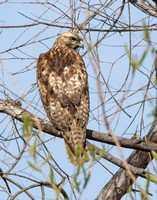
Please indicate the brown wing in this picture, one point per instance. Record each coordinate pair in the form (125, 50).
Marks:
(62, 91)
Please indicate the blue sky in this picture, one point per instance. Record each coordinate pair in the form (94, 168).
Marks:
(114, 64)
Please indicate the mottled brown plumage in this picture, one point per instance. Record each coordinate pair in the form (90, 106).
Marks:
(63, 87)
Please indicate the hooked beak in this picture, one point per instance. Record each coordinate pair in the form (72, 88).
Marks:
(81, 45)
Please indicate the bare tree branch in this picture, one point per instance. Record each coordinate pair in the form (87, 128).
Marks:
(5, 177)
(16, 111)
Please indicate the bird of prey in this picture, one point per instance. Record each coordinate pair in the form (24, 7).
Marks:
(63, 86)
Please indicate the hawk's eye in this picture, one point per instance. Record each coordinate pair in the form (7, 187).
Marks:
(73, 38)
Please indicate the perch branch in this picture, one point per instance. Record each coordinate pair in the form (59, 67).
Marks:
(14, 109)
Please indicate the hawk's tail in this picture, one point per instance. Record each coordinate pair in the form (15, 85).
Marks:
(80, 157)
(76, 147)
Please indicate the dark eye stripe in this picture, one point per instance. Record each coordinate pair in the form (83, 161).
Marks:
(73, 38)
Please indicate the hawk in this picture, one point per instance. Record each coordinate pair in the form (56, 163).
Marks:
(63, 86)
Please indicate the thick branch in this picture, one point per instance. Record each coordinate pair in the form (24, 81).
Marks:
(117, 187)
(140, 172)
(14, 109)
(145, 8)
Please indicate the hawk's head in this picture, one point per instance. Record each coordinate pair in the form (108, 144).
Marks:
(72, 40)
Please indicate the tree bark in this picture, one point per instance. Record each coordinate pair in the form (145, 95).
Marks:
(145, 7)
(117, 187)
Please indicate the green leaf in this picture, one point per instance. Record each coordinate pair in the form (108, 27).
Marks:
(51, 175)
(54, 186)
(33, 166)
(154, 155)
(153, 50)
(6, 96)
(33, 148)
(134, 62)
(151, 178)
(135, 65)
(92, 150)
(143, 56)
(27, 126)
(86, 180)
(130, 192)
(76, 182)
(102, 152)
(146, 32)
(92, 46)
(46, 159)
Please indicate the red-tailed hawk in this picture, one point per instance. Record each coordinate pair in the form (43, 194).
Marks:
(63, 86)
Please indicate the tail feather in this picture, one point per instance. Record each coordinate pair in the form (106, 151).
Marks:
(79, 157)
(75, 143)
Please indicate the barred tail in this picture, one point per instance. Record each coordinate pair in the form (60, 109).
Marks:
(75, 143)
